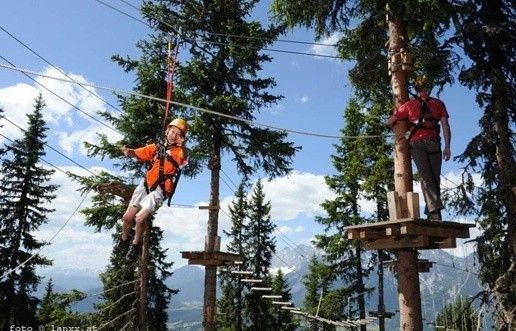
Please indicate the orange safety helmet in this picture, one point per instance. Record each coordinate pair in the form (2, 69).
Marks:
(181, 124)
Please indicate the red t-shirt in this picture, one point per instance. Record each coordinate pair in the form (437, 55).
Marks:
(410, 110)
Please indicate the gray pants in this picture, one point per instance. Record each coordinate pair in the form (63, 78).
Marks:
(427, 156)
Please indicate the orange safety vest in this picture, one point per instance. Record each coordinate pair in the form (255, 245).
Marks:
(175, 157)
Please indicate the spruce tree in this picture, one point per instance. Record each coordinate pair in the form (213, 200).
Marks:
(25, 197)
(281, 319)
(317, 282)
(457, 315)
(231, 303)
(55, 309)
(344, 257)
(260, 246)
(485, 31)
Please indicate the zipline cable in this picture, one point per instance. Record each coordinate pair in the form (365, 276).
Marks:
(200, 109)
(239, 36)
(192, 40)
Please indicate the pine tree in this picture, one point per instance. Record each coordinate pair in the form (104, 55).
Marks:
(343, 256)
(55, 309)
(486, 34)
(25, 195)
(281, 319)
(317, 282)
(259, 245)
(457, 315)
(231, 303)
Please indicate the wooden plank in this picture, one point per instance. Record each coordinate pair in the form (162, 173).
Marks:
(433, 230)
(413, 204)
(446, 243)
(392, 230)
(393, 203)
(404, 220)
(354, 234)
(367, 234)
(399, 243)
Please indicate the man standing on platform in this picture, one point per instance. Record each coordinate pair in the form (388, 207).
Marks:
(425, 113)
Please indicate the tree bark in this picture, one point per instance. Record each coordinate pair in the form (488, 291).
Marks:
(408, 279)
(144, 277)
(210, 278)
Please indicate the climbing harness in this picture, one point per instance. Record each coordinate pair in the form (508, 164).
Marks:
(425, 120)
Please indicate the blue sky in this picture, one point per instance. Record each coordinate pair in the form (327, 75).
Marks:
(79, 37)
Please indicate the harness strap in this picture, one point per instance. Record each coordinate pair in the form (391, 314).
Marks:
(425, 115)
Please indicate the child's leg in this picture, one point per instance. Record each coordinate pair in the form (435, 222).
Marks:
(141, 219)
(128, 219)
(149, 205)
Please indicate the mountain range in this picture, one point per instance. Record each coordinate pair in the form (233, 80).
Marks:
(448, 277)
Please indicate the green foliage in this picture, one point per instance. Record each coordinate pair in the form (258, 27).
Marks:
(230, 305)
(24, 197)
(281, 319)
(485, 31)
(457, 315)
(316, 281)
(259, 245)
(363, 29)
(55, 308)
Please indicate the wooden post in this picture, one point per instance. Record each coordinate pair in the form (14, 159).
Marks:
(210, 277)
(144, 277)
(408, 280)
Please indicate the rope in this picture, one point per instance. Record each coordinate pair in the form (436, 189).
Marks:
(200, 109)
(171, 68)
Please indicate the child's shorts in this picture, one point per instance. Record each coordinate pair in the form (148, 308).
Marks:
(142, 200)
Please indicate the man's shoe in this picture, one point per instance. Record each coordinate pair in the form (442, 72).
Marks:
(133, 252)
(435, 215)
(121, 246)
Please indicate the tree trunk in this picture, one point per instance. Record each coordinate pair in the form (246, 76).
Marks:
(210, 278)
(381, 305)
(408, 280)
(505, 287)
(144, 277)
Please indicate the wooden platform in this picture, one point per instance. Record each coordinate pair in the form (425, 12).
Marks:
(423, 265)
(409, 233)
(210, 258)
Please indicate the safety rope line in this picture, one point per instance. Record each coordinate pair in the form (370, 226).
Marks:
(200, 109)
(171, 68)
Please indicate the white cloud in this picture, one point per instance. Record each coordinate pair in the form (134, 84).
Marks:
(327, 50)
(18, 100)
(295, 194)
(287, 229)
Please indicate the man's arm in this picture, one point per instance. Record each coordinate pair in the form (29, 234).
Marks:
(390, 121)
(447, 137)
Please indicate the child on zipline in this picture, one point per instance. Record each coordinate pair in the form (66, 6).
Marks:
(159, 183)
